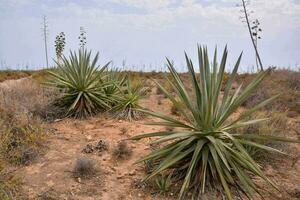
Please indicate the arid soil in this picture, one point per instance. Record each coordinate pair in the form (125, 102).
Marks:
(50, 176)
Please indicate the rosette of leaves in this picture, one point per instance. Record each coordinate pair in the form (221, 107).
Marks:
(128, 100)
(202, 150)
(81, 81)
(118, 81)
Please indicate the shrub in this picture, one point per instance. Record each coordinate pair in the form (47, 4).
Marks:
(205, 151)
(21, 106)
(82, 84)
(26, 97)
(84, 168)
(277, 125)
(283, 82)
(163, 182)
(21, 144)
(122, 150)
(116, 80)
(9, 184)
(128, 101)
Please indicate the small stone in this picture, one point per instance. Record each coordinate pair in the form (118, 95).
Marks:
(101, 146)
(89, 138)
(132, 173)
(88, 148)
(79, 180)
(119, 176)
(139, 194)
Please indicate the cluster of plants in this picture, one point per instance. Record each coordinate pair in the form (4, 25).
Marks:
(9, 184)
(88, 89)
(205, 150)
(23, 106)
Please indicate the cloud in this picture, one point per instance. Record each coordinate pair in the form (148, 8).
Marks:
(147, 30)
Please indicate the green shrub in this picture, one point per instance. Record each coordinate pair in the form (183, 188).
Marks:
(128, 101)
(82, 84)
(202, 149)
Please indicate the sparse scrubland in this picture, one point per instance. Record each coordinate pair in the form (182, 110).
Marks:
(77, 130)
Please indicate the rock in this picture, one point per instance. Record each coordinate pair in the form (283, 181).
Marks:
(132, 173)
(88, 149)
(101, 146)
(89, 138)
(119, 176)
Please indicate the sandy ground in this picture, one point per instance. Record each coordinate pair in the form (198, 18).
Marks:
(50, 176)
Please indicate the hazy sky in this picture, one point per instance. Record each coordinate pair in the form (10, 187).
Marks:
(144, 32)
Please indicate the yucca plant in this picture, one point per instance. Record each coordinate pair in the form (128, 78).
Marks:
(81, 81)
(117, 81)
(202, 150)
(128, 101)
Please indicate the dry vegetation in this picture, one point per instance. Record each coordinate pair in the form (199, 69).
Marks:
(28, 111)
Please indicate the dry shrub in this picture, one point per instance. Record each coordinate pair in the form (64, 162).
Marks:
(13, 74)
(122, 150)
(22, 104)
(26, 96)
(85, 168)
(284, 82)
(277, 125)
(22, 145)
(9, 184)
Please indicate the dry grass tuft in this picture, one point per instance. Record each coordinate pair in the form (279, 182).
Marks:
(85, 168)
(9, 184)
(122, 151)
(277, 125)
(22, 105)
(284, 82)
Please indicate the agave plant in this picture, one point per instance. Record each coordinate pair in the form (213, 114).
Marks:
(128, 101)
(117, 81)
(202, 149)
(81, 81)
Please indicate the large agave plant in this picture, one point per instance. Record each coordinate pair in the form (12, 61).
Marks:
(202, 149)
(81, 81)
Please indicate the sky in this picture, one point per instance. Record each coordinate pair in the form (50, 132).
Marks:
(140, 34)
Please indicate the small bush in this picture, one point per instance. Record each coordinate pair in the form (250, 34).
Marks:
(277, 125)
(22, 133)
(122, 150)
(21, 144)
(163, 182)
(128, 101)
(284, 82)
(9, 184)
(84, 168)
(26, 97)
